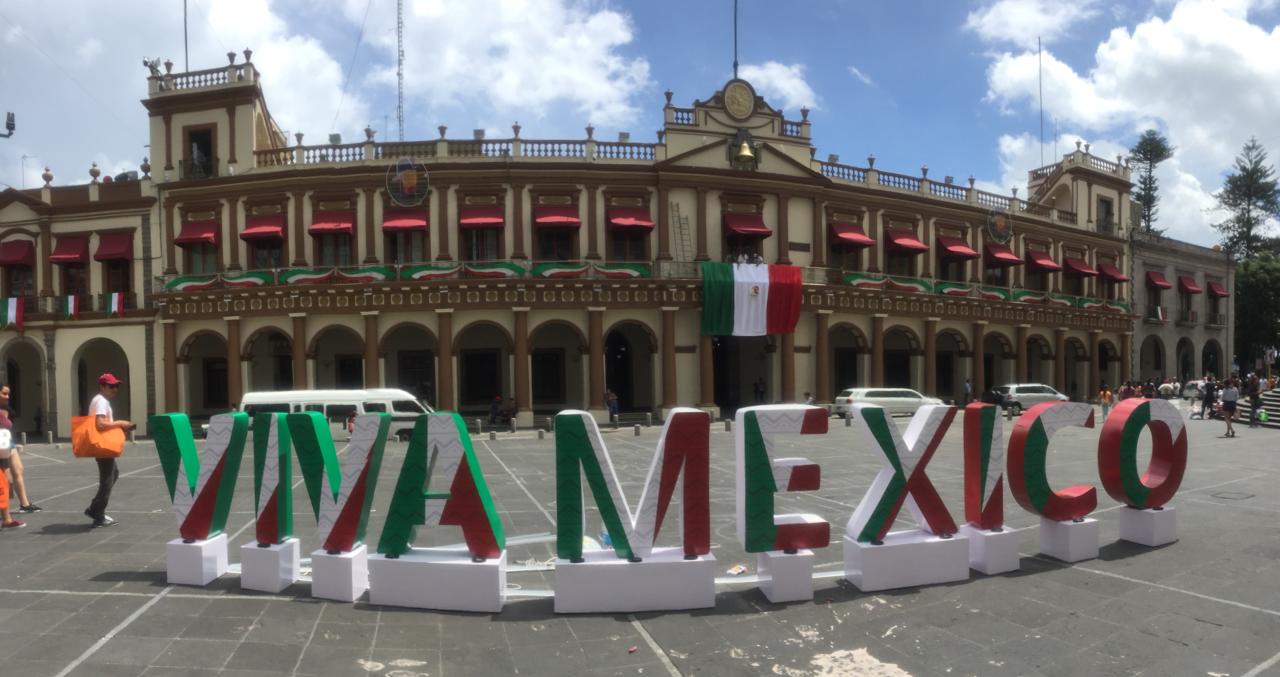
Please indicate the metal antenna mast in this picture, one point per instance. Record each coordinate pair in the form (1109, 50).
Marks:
(400, 66)
(735, 39)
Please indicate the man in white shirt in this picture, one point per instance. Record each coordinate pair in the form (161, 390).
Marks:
(108, 473)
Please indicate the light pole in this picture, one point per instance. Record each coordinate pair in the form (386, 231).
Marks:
(9, 126)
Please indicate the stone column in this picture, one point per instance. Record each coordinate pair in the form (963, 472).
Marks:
(818, 245)
(595, 371)
(787, 366)
(1060, 359)
(822, 361)
(235, 387)
(46, 266)
(931, 356)
(979, 374)
(170, 365)
(931, 258)
(233, 234)
(592, 224)
(444, 368)
(877, 350)
(670, 394)
(1020, 365)
(875, 230)
(170, 251)
(521, 356)
(300, 376)
(51, 380)
(784, 234)
(706, 372)
(442, 225)
(701, 226)
(299, 236)
(372, 379)
(664, 224)
(370, 229)
(977, 272)
(1094, 365)
(1126, 356)
(517, 222)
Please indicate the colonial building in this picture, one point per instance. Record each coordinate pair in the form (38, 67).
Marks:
(547, 271)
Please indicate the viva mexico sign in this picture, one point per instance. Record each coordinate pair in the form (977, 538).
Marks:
(440, 482)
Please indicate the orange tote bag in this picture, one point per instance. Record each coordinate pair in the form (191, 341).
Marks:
(87, 442)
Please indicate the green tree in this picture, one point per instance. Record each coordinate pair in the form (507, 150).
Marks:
(1251, 196)
(1258, 284)
(1150, 150)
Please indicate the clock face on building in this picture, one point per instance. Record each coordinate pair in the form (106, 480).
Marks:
(739, 99)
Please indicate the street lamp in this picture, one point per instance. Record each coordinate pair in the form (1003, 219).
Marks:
(9, 126)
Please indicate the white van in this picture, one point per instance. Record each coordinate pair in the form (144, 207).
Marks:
(338, 406)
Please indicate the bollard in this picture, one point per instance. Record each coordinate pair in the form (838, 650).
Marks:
(648, 419)
(728, 425)
(24, 439)
(132, 439)
(848, 421)
(492, 435)
(541, 432)
(513, 424)
(637, 429)
(478, 428)
(614, 419)
(550, 424)
(48, 437)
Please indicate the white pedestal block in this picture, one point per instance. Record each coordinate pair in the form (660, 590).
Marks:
(269, 569)
(992, 552)
(342, 577)
(1069, 541)
(663, 581)
(784, 577)
(906, 559)
(1149, 527)
(197, 563)
(438, 578)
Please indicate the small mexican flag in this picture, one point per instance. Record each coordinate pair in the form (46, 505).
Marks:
(749, 299)
(13, 313)
(116, 306)
(72, 307)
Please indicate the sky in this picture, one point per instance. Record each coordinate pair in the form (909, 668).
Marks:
(950, 85)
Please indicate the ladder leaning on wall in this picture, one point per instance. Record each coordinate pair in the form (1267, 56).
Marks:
(680, 222)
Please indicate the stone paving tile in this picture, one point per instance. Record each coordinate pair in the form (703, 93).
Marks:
(125, 650)
(196, 653)
(275, 658)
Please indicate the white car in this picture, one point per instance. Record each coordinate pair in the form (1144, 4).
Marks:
(895, 400)
(1021, 396)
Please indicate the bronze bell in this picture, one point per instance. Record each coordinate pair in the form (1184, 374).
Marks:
(745, 155)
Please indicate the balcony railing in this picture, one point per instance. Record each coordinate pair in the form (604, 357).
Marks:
(682, 116)
(1216, 319)
(103, 302)
(203, 168)
(1155, 314)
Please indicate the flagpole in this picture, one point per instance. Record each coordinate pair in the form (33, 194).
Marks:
(1040, 70)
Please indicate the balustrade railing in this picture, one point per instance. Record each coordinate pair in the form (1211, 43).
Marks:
(273, 157)
(1103, 165)
(566, 149)
(899, 181)
(1037, 210)
(949, 191)
(195, 79)
(1065, 216)
(1216, 319)
(203, 168)
(347, 152)
(1186, 316)
(790, 128)
(625, 150)
(682, 116)
(399, 149)
(992, 200)
(836, 170)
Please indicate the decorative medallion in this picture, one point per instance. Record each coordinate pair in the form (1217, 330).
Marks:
(407, 183)
(739, 99)
(999, 226)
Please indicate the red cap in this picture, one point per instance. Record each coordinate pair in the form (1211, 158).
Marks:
(108, 379)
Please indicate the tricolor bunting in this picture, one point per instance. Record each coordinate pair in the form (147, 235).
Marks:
(760, 476)
(682, 457)
(272, 479)
(202, 483)
(115, 305)
(1028, 454)
(15, 309)
(1118, 452)
(71, 307)
(750, 299)
(440, 449)
(903, 458)
(340, 491)
(983, 466)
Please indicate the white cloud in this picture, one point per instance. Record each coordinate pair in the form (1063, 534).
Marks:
(862, 77)
(1020, 22)
(782, 85)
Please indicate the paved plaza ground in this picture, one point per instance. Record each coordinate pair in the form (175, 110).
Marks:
(79, 601)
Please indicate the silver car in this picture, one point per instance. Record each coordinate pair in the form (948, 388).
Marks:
(895, 400)
(1020, 396)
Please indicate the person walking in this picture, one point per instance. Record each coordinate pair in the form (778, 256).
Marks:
(1230, 393)
(968, 392)
(611, 401)
(108, 473)
(18, 483)
(1105, 398)
(7, 521)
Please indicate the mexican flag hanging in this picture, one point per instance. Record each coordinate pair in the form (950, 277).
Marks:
(72, 307)
(13, 313)
(116, 306)
(749, 299)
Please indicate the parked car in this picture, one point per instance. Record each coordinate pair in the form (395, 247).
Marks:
(339, 405)
(1020, 396)
(895, 400)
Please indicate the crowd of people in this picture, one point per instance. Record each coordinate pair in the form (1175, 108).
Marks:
(1217, 398)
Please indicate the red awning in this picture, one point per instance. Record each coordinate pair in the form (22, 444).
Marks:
(1000, 255)
(956, 248)
(1217, 290)
(203, 232)
(18, 253)
(746, 225)
(630, 218)
(905, 240)
(398, 220)
(332, 223)
(1188, 284)
(1156, 279)
(556, 217)
(1042, 260)
(71, 249)
(1079, 267)
(263, 227)
(470, 218)
(114, 247)
(849, 234)
(1111, 272)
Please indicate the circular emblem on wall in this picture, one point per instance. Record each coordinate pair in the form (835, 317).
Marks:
(999, 226)
(407, 184)
(739, 99)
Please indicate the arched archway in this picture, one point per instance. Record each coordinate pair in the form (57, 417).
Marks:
(483, 352)
(24, 374)
(628, 365)
(1039, 361)
(1077, 369)
(1211, 359)
(409, 351)
(901, 351)
(1151, 361)
(998, 358)
(338, 355)
(743, 368)
(951, 370)
(848, 352)
(204, 355)
(556, 358)
(269, 353)
(1186, 360)
(1109, 364)
(94, 358)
